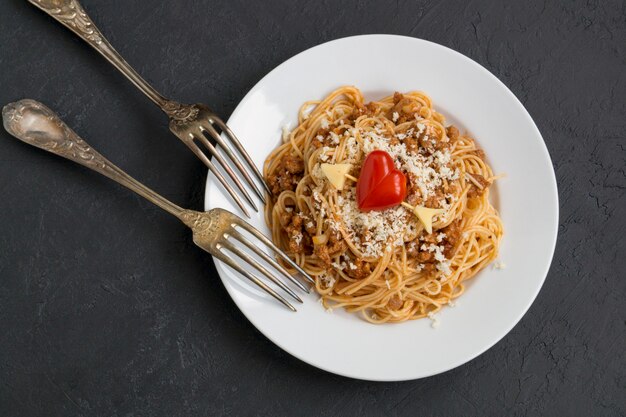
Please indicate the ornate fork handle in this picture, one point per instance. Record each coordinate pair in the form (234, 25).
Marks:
(71, 14)
(37, 125)
(214, 231)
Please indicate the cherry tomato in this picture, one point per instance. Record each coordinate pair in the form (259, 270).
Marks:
(380, 184)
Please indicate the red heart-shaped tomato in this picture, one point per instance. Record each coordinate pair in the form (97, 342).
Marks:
(380, 184)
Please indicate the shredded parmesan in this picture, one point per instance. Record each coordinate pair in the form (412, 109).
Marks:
(327, 280)
(499, 265)
(434, 320)
(374, 233)
(286, 133)
(427, 171)
(444, 267)
(298, 238)
(339, 266)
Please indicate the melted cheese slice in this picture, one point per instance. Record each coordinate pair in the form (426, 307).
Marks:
(336, 174)
(426, 215)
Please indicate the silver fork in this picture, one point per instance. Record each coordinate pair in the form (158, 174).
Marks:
(191, 123)
(215, 231)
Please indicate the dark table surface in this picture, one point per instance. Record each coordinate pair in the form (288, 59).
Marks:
(107, 307)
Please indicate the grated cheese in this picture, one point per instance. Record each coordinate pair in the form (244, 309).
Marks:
(444, 267)
(499, 265)
(327, 280)
(427, 171)
(375, 232)
(434, 323)
(381, 227)
(286, 132)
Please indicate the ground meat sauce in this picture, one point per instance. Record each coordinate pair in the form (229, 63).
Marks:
(449, 242)
(322, 138)
(406, 108)
(428, 140)
(300, 230)
(412, 145)
(433, 200)
(293, 164)
(321, 251)
(358, 269)
(293, 228)
(479, 153)
(287, 175)
(453, 133)
(453, 235)
(395, 302)
(336, 243)
(334, 246)
(414, 195)
(475, 191)
(300, 227)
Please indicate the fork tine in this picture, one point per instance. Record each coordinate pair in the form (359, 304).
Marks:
(239, 237)
(217, 174)
(241, 149)
(253, 262)
(231, 262)
(226, 167)
(209, 129)
(242, 223)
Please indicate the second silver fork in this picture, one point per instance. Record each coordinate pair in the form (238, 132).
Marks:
(216, 231)
(193, 124)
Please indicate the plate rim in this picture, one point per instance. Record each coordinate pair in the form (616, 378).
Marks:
(552, 184)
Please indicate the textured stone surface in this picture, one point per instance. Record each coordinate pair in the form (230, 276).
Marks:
(106, 306)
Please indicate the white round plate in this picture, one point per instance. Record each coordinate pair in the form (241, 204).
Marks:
(474, 100)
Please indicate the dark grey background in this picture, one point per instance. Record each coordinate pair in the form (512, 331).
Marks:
(107, 307)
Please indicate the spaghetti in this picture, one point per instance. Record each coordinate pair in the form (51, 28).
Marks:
(383, 264)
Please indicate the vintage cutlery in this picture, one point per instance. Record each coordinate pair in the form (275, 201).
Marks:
(194, 124)
(216, 231)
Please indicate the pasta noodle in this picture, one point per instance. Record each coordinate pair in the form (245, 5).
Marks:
(382, 263)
